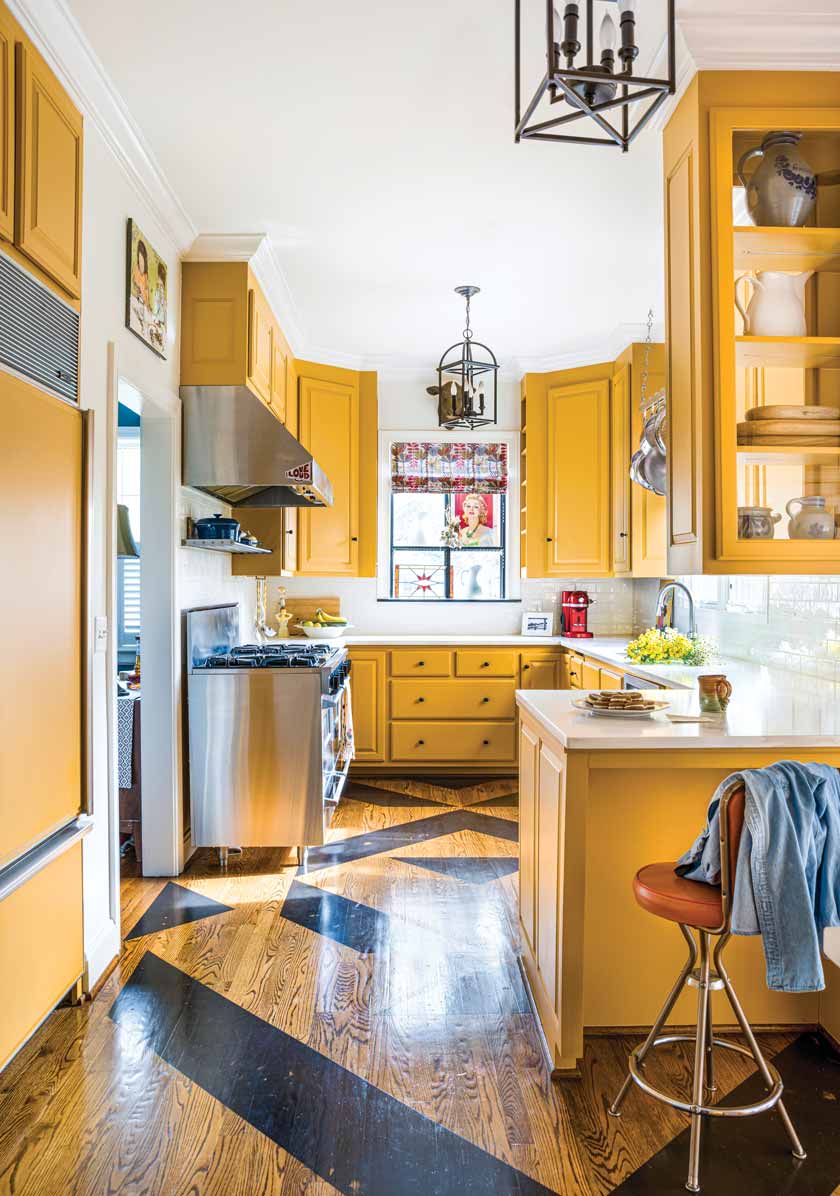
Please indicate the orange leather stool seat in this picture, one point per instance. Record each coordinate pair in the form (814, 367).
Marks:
(659, 890)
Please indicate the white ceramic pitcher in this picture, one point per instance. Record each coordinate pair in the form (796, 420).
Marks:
(777, 306)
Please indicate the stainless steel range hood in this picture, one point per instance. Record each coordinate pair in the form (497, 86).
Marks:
(235, 449)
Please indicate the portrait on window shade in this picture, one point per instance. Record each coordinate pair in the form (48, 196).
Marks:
(479, 521)
(145, 307)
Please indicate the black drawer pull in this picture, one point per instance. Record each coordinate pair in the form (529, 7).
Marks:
(486, 742)
(421, 742)
(420, 664)
(485, 664)
(421, 699)
(483, 700)
(354, 539)
(525, 668)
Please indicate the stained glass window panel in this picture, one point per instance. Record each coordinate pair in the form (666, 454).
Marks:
(419, 575)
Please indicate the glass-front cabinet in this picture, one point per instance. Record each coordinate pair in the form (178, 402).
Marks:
(779, 333)
(752, 177)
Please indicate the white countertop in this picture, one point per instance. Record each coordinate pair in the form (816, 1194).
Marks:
(506, 641)
(761, 714)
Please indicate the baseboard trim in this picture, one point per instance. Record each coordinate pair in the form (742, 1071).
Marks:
(101, 954)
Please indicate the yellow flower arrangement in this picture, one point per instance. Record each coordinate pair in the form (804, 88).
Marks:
(668, 647)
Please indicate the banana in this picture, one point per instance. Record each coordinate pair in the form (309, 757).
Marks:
(331, 620)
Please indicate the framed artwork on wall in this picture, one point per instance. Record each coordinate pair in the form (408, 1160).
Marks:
(145, 291)
(537, 623)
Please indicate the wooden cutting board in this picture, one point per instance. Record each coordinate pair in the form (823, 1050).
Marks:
(808, 412)
(304, 608)
(790, 431)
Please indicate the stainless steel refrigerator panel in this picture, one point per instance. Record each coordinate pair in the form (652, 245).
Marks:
(255, 762)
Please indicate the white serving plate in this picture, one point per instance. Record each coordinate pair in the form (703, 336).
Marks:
(583, 705)
(325, 631)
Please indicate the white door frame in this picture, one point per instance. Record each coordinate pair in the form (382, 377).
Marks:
(160, 741)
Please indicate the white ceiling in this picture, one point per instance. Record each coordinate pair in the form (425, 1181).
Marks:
(373, 143)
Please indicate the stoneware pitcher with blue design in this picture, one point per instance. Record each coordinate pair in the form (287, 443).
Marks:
(783, 190)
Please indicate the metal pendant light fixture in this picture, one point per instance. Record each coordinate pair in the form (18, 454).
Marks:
(592, 88)
(467, 376)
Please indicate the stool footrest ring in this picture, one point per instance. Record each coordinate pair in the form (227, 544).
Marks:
(761, 1106)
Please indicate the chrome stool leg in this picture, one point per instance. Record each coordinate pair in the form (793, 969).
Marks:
(615, 1108)
(797, 1149)
(711, 1086)
(702, 1044)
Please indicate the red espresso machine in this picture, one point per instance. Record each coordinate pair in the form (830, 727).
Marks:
(574, 605)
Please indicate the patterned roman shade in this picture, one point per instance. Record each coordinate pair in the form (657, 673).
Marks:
(439, 468)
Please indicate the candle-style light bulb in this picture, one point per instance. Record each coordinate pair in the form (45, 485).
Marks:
(608, 34)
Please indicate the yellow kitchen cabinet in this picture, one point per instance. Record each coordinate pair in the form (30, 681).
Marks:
(643, 522)
(576, 663)
(337, 422)
(276, 529)
(230, 336)
(610, 678)
(481, 662)
(260, 346)
(421, 662)
(590, 674)
(440, 698)
(541, 671)
(476, 744)
(714, 372)
(367, 685)
(48, 203)
(566, 494)
(8, 30)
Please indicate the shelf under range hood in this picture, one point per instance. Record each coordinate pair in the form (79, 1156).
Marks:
(237, 450)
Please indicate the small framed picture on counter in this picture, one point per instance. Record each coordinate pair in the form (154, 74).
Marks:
(538, 622)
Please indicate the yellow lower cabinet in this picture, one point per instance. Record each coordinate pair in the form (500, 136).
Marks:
(367, 686)
(541, 672)
(590, 675)
(576, 671)
(483, 663)
(453, 742)
(610, 679)
(452, 699)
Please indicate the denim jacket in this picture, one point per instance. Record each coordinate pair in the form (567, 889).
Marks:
(787, 883)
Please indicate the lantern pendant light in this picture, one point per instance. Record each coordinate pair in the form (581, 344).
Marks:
(592, 89)
(467, 376)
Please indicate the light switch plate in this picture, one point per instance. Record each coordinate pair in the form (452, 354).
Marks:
(100, 633)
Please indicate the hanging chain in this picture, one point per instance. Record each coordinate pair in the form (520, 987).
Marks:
(648, 339)
(468, 330)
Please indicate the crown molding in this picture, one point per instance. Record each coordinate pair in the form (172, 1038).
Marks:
(56, 33)
(780, 37)
(224, 247)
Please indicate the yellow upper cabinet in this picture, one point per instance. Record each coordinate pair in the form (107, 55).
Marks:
(620, 449)
(7, 126)
(644, 520)
(337, 422)
(230, 336)
(48, 226)
(726, 457)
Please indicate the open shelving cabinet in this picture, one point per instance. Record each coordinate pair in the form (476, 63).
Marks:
(752, 371)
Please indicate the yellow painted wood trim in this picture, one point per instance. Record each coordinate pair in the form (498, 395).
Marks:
(9, 30)
(368, 471)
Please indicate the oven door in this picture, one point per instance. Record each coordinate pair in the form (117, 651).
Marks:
(336, 753)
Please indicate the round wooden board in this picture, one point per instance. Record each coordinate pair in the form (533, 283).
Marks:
(810, 411)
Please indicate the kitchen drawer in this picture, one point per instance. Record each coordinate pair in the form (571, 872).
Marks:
(590, 675)
(575, 671)
(454, 699)
(421, 662)
(448, 742)
(482, 662)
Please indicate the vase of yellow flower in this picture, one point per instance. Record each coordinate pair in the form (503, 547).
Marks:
(669, 646)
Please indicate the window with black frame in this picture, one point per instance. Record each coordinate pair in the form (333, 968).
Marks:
(448, 521)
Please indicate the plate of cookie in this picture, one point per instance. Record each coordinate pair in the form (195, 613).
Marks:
(623, 703)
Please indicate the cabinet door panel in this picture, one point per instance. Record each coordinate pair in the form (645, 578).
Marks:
(578, 492)
(485, 663)
(260, 346)
(528, 752)
(590, 675)
(436, 742)
(575, 671)
(367, 682)
(278, 378)
(328, 543)
(549, 813)
(620, 471)
(610, 680)
(540, 674)
(49, 199)
(7, 126)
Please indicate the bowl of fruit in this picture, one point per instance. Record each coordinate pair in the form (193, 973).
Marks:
(324, 626)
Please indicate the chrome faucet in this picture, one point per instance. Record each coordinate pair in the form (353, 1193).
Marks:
(671, 587)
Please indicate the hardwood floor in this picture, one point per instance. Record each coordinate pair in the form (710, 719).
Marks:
(358, 1025)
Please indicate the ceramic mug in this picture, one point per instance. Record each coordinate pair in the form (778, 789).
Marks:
(715, 692)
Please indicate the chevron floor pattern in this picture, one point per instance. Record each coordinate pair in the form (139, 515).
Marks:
(356, 1025)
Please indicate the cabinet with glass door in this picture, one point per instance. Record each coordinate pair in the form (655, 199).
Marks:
(779, 328)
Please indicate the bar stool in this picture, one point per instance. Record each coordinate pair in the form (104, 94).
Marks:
(706, 909)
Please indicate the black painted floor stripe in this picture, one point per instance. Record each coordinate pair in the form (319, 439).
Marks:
(392, 838)
(175, 906)
(356, 791)
(349, 922)
(510, 800)
(475, 870)
(358, 1138)
(750, 1156)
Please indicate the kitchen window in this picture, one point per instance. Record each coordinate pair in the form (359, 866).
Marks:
(447, 521)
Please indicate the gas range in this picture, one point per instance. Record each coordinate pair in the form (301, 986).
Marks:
(303, 655)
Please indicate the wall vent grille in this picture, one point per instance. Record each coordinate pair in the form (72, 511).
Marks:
(39, 334)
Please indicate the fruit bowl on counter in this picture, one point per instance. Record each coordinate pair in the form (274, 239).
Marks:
(323, 631)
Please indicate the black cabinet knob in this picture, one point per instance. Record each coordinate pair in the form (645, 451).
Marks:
(485, 664)
(421, 699)
(483, 700)
(420, 664)
(421, 742)
(622, 535)
(525, 668)
(548, 540)
(354, 539)
(486, 742)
